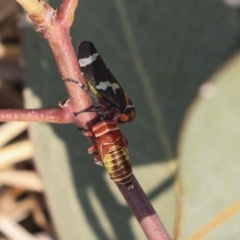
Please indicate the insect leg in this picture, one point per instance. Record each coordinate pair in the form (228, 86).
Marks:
(94, 150)
(99, 110)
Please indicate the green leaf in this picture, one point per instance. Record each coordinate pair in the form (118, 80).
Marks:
(209, 158)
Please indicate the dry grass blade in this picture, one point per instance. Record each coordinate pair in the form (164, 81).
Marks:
(13, 230)
(22, 210)
(42, 236)
(10, 51)
(16, 152)
(10, 130)
(8, 198)
(27, 180)
(16, 211)
(38, 215)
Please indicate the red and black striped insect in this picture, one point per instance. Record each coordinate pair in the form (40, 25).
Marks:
(111, 149)
(114, 104)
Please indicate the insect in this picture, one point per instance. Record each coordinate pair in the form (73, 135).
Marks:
(113, 102)
(111, 149)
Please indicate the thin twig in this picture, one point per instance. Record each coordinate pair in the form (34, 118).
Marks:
(144, 211)
(51, 115)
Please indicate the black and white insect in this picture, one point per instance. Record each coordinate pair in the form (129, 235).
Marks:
(103, 87)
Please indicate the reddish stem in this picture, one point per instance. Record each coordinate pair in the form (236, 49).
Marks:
(52, 115)
(66, 12)
(144, 212)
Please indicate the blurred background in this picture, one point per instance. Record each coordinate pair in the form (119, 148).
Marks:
(179, 64)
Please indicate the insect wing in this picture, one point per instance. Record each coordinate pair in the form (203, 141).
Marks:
(99, 77)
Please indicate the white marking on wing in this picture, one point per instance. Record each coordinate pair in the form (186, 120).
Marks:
(86, 61)
(129, 106)
(106, 84)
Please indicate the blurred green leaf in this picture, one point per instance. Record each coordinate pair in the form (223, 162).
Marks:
(209, 158)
